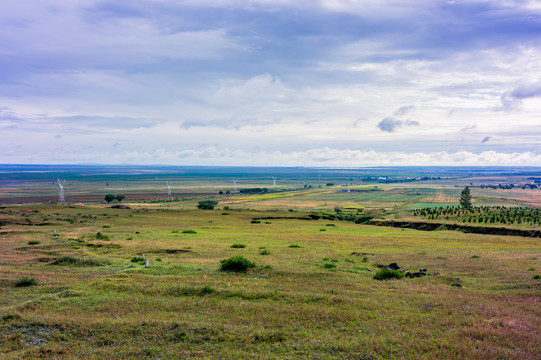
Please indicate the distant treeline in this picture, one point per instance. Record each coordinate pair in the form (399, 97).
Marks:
(254, 191)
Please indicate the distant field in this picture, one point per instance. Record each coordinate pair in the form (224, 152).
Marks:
(74, 283)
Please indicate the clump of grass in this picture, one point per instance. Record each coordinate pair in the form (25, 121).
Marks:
(365, 259)
(385, 274)
(106, 226)
(129, 238)
(225, 213)
(236, 264)
(329, 266)
(33, 242)
(475, 257)
(174, 232)
(70, 260)
(101, 236)
(26, 281)
(330, 225)
(159, 259)
(322, 229)
(207, 289)
(531, 269)
(268, 222)
(138, 259)
(536, 277)
(264, 252)
(238, 246)
(189, 232)
(255, 222)
(294, 246)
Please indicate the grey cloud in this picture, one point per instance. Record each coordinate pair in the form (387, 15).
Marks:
(512, 100)
(468, 128)
(390, 124)
(404, 110)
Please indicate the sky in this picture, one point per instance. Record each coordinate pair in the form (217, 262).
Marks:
(323, 83)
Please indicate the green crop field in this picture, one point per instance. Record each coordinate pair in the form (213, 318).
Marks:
(75, 285)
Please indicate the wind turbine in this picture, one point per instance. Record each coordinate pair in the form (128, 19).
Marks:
(235, 181)
(61, 193)
(273, 181)
(168, 188)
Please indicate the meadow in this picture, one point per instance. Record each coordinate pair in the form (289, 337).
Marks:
(74, 283)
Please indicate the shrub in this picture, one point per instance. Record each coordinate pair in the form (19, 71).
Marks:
(475, 257)
(236, 264)
(26, 281)
(329, 266)
(330, 225)
(138, 259)
(537, 277)
(255, 222)
(189, 232)
(385, 274)
(207, 204)
(238, 246)
(101, 236)
(207, 289)
(33, 242)
(70, 260)
(264, 252)
(294, 246)
(106, 226)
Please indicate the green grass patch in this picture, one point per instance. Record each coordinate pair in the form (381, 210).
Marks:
(238, 246)
(236, 264)
(385, 274)
(26, 281)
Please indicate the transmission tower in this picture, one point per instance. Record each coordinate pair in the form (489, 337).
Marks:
(168, 188)
(61, 193)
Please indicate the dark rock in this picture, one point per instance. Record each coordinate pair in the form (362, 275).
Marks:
(457, 284)
(402, 270)
(419, 274)
(137, 232)
(429, 307)
(368, 269)
(422, 270)
(436, 273)
(409, 275)
(393, 266)
(457, 278)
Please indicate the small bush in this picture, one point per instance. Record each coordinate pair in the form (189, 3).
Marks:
(100, 236)
(225, 213)
(330, 225)
(236, 264)
(322, 229)
(238, 246)
(536, 277)
(159, 259)
(207, 204)
(70, 260)
(207, 289)
(264, 252)
(106, 226)
(255, 222)
(531, 269)
(33, 242)
(174, 232)
(138, 259)
(189, 232)
(385, 274)
(26, 281)
(475, 257)
(294, 246)
(329, 266)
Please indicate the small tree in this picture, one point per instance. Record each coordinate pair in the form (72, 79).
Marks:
(465, 198)
(207, 205)
(109, 197)
(120, 198)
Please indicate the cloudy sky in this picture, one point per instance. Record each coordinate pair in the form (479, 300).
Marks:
(271, 82)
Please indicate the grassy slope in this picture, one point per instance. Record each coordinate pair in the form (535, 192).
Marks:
(298, 309)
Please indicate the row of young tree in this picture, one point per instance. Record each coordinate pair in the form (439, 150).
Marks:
(483, 214)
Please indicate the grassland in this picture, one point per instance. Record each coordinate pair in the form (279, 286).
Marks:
(311, 295)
